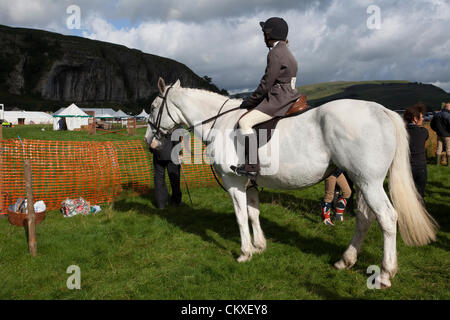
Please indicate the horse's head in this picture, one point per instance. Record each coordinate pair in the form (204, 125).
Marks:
(164, 116)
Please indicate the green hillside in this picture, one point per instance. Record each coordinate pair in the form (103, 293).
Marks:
(392, 94)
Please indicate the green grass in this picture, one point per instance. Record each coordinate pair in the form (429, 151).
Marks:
(130, 250)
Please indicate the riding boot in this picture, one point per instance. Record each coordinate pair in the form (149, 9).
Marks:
(247, 169)
(438, 159)
(340, 208)
(326, 211)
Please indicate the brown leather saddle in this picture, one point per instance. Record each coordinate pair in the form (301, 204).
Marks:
(298, 107)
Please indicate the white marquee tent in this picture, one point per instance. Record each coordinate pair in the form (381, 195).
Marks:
(70, 118)
(101, 112)
(121, 114)
(28, 117)
(143, 114)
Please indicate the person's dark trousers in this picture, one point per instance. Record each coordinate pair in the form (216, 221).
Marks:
(161, 193)
(420, 175)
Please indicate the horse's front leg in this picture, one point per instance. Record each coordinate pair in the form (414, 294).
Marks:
(259, 241)
(237, 190)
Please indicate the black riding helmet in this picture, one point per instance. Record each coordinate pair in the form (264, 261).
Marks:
(275, 29)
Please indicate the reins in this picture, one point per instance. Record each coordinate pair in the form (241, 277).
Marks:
(157, 126)
(214, 123)
(215, 117)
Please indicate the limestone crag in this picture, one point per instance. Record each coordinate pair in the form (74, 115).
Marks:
(67, 68)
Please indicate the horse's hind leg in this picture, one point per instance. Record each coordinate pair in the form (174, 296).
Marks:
(364, 219)
(259, 241)
(378, 201)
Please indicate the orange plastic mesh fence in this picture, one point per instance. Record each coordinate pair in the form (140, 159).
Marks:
(96, 171)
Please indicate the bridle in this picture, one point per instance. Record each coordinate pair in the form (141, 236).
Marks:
(158, 133)
(156, 127)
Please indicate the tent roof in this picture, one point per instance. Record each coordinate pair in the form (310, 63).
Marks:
(105, 115)
(25, 114)
(59, 110)
(121, 114)
(143, 114)
(101, 112)
(72, 111)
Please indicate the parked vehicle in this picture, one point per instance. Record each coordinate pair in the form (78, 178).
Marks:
(5, 123)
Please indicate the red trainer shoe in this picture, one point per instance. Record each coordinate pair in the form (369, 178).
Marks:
(326, 211)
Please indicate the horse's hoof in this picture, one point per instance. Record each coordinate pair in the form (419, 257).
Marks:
(385, 283)
(244, 258)
(344, 264)
(259, 248)
(340, 265)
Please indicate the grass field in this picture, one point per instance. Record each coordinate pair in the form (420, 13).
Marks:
(131, 250)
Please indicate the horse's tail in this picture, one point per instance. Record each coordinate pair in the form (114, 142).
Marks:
(416, 225)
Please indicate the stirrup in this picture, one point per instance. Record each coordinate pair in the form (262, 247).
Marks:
(240, 171)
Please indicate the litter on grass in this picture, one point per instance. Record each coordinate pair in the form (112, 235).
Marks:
(73, 207)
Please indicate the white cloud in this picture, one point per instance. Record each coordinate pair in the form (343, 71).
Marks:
(222, 39)
(443, 85)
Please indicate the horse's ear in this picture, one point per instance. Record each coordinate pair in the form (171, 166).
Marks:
(177, 84)
(161, 85)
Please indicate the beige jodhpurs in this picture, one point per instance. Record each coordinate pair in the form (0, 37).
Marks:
(251, 119)
(443, 145)
(330, 185)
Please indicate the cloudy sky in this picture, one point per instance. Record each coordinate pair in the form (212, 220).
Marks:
(332, 39)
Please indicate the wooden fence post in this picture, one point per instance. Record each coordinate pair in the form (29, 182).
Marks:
(131, 126)
(31, 218)
(92, 126)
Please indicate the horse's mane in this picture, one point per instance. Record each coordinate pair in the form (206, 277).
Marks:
(211, 93)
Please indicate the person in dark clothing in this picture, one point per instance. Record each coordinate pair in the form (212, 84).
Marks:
(162, 161)
(441, 125)
(418, 136)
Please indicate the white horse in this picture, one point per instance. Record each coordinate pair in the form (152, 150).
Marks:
(361, 137)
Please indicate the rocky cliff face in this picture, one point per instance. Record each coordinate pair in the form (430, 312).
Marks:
(53, 67)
